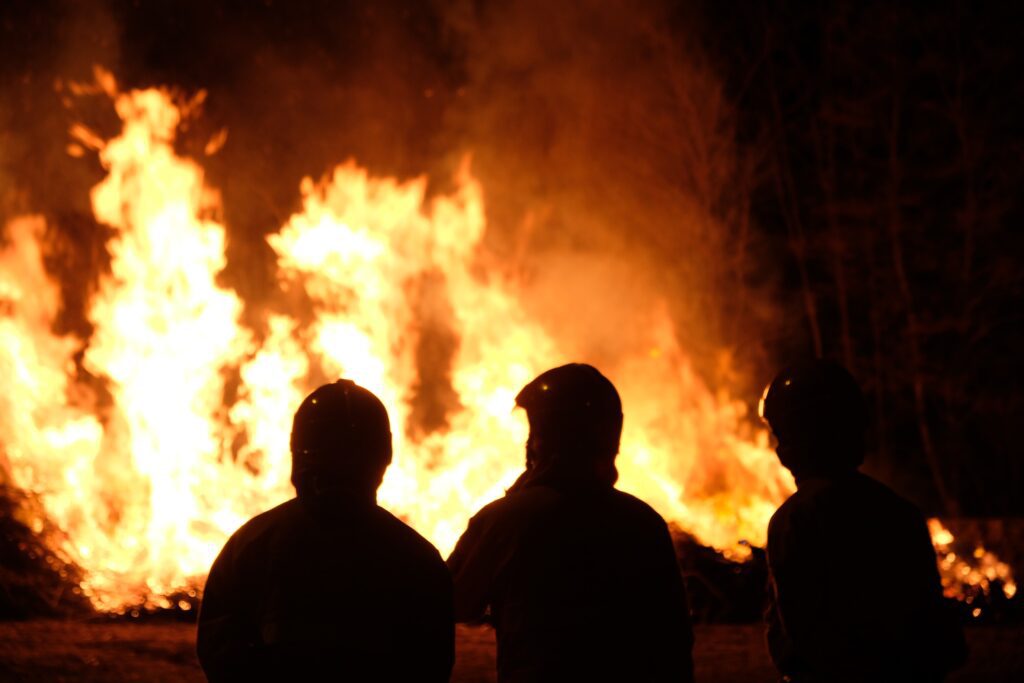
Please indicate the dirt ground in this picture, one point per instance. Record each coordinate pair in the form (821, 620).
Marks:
(49, 650)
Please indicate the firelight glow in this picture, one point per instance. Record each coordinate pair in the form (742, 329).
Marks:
(146, 444)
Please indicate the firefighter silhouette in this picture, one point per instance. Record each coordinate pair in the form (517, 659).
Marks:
(855, 593)
(329, 586)
(580, 580)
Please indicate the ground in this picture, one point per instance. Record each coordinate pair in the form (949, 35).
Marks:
(90, 651)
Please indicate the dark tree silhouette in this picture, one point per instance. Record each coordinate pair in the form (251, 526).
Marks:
(892, 139)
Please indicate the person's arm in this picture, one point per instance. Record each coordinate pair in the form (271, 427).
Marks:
(799, 628)
(473, 565)
(438, 642)
(780, 649)
(943, 644)
(223, 642)
(674, 620)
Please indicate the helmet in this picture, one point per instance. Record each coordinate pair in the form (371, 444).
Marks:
(816, 406)
(574, 391)
(574, 403)
(341, 430)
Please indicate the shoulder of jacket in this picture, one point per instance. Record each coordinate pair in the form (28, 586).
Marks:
(413, 540)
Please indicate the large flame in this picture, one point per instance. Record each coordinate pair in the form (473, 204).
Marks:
(149, 442)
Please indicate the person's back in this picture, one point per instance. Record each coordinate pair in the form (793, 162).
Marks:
(857, 585)
(581, 585)
(581, 580)
(855, 592)
(327, 586)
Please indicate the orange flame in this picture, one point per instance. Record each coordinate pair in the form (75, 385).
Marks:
(148, 482)
(963, 577)
(148, 475)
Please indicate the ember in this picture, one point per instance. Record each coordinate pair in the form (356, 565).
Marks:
(975, 578)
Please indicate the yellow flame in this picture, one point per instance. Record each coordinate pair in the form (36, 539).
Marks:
(172, 429)
(147, 475)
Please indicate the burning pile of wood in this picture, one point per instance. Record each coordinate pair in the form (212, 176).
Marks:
(35, 582)
(973, 573)
(724, 590)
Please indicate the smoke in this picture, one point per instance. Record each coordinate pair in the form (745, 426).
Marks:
(606, 145)
(600, 132)
(42, 46)
(617, 217)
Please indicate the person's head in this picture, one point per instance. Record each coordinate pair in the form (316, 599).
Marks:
(341, 440)
(818, 415)
(575, 418)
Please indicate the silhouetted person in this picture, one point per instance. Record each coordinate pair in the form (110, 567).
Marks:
(329, 586)
(855, 591)
(580, 580)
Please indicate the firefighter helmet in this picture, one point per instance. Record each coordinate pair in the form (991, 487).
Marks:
(341, 429)
(818, 414)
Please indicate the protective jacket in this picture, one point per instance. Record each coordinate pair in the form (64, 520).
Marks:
(581, 584)
(855, 591)
(327, 590)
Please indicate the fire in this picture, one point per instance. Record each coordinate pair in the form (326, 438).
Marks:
(967, 578)
(149, 442)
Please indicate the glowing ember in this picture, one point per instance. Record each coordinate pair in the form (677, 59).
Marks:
(148, 443)
(965, 578)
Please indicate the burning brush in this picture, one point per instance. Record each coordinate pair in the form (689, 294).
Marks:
(132, 448)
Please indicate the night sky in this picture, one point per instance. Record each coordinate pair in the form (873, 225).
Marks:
(858, 165)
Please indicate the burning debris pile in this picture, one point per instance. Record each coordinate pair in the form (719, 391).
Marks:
(149, 440)
(34, 579)
(136, 449)
(725, 590)
(980, 582)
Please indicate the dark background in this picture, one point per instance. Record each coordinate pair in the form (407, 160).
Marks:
(840, 179)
